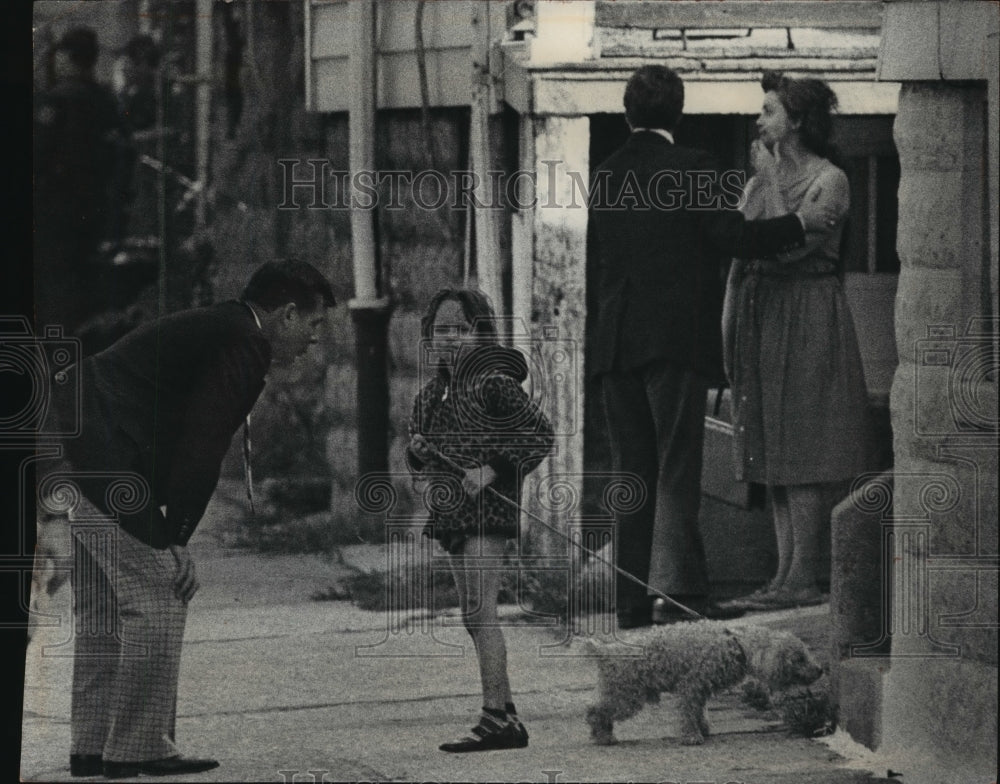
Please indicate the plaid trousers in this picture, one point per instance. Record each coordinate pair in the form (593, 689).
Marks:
(129, 630)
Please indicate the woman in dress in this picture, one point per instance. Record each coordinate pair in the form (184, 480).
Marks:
(799, 394)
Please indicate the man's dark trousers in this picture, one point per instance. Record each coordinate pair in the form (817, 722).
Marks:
(656, 423)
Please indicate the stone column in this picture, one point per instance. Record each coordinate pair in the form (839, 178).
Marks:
(558, 312)
(939, 710)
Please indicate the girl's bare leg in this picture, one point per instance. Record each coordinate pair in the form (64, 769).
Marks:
(480, 588)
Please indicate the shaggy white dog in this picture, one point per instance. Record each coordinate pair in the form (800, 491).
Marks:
(694, 661)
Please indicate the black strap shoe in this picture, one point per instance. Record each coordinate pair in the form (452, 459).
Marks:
(171, 766)
(489, 735)
(520, 733)
(86, 765)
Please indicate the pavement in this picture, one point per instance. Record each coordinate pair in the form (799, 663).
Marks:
(280, 687)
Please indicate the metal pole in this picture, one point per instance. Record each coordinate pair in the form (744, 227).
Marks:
(361, 70)
(203, 96)
(369, 311)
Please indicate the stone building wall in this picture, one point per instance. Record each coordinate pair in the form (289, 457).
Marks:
(931, 704)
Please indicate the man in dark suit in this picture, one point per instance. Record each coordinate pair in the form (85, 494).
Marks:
(661, 225)
(158, 411)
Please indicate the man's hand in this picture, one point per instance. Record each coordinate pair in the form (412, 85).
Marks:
(814, 215)
(476, 479)
(421, 447)
(185, 581)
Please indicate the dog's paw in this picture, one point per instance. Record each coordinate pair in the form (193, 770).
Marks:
(603, 738)
(693, 739)
(755, 694)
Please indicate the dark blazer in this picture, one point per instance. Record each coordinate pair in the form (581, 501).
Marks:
(661, 254)
(164, 402)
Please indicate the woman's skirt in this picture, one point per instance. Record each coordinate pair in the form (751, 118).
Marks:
(799, 395)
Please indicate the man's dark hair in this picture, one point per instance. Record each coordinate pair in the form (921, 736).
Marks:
(654, 98)
(80, 44)
(288, 280)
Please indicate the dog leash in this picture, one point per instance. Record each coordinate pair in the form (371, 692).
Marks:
(437, 454)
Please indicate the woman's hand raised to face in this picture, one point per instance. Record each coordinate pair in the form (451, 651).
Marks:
(763, 161)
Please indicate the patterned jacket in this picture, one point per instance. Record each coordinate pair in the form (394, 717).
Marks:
(478, 416)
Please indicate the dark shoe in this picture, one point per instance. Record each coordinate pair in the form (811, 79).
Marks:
(751, 601)
(520, 733)
(86, 765)
(719, 612)
(171, 766)
(786, 599)
(489, 735)
(665, 613)
(635, 618)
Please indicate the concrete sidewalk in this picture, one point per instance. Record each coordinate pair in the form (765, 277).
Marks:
(276, 685)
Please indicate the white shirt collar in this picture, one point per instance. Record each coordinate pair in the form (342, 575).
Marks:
(255, 316)
(662, 131)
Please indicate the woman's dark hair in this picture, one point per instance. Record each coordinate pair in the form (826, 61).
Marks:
(654, 98)
(476, 307)
(811, 103)
(288, 280)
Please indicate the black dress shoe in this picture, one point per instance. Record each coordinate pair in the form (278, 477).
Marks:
(718, 612)
(86, 765)
(171, 766)
(635, 618)
(664, 613)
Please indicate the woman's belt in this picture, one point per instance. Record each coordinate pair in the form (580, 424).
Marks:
(789, 269)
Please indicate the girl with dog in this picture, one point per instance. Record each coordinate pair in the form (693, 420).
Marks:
(792, 357)
(474, 434)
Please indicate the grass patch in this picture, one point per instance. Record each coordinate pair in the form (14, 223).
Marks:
(315, 533)
(306, 515)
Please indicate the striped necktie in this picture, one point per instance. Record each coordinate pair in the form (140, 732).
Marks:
(247, 469)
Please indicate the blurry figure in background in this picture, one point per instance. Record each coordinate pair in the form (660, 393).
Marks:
(475, 434)
(139, 62)
(79, 141)
(799, 394)
(136, 72)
